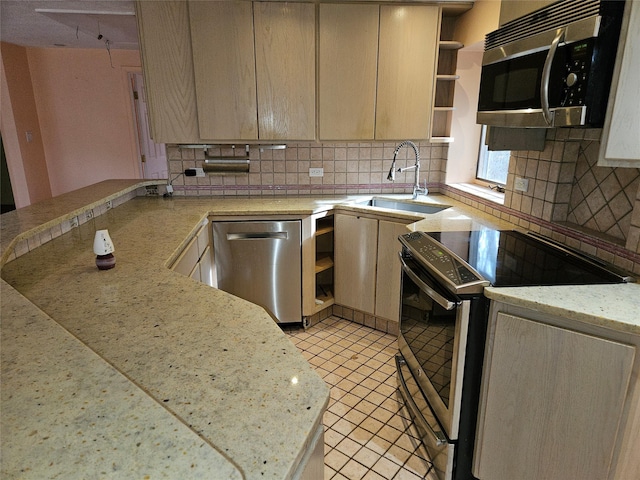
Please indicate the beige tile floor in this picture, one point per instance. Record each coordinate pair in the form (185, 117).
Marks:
(368, 433)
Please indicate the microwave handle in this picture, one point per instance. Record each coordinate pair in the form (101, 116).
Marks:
(546, 74)
(443, 302)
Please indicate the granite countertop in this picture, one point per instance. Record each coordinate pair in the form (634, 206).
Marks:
(611, 306)
(219, 364)
(66, 413)
(172, 347)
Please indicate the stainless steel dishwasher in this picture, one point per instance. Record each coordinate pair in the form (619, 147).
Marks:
(260, 261)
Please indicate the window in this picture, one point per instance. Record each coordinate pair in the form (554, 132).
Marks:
(492, 165)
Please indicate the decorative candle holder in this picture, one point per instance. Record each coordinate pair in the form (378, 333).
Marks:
(103, 248)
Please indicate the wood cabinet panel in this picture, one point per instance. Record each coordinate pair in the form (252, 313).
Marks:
(406, 66)
(187, 259)
(348, 61)
(620, 146)
(165, 45)
(388, 270)
(224, 65)
(356, 242)
(285, 70)
(551, 404)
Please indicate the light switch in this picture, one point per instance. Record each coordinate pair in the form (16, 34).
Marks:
(29, 136)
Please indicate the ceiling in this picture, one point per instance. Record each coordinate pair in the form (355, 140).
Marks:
(69, 23)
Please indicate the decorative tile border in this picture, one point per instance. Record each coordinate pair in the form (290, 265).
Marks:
(589, 244)
(297, 189)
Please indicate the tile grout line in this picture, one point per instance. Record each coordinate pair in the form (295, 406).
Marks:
(368, 434)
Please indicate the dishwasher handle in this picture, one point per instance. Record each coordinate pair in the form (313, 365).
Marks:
(258, 236)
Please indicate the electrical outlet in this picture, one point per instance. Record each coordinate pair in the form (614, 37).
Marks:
(109, 205)
(521, 184)
(74, 222)
(316, 172)
(199, 172)
(88, 214)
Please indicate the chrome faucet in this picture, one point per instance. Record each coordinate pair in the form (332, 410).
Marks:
(417, 190)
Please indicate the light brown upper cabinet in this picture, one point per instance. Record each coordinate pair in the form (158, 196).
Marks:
(254, 69)
(165, 45)
(376, 71)
(406, 70)
(224, 67)
(347, 65)
(286, 70)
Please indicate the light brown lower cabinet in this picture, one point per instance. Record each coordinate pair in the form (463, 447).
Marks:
(388, 270)
(196, 259)
(366, 264)
(554, 399)
(356, 246)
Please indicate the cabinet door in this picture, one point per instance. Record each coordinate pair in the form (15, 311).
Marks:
(206, 267)
(348, 57)
(224, 65)
(551, 402)
(285, 70)
(165, 47)
(356, 244)
(406, 70)
(388, 270)
(620, 146)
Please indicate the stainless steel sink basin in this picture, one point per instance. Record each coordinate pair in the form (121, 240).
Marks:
(403, 205)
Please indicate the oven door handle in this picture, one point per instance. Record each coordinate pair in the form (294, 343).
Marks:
(443, 302)
(439, 438)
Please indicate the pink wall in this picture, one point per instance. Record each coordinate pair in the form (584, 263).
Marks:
(18, 115)
(85, 114)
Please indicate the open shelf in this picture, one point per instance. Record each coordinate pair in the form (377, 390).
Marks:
(445, 83)
(324, 262)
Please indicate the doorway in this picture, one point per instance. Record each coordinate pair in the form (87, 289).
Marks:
(8, 202)
(153, 156)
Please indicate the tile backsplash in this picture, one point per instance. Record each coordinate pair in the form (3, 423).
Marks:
(349, 168)
(594, 209)
(567, 187)
(571, 199)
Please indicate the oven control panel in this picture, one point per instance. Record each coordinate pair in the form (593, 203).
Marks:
(443, 263)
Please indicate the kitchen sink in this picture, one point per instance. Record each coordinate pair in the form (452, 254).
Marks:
(403, 205)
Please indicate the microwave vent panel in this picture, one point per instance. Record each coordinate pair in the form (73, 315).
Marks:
(553, 16)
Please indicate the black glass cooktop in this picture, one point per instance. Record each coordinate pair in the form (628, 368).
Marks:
(511, 258)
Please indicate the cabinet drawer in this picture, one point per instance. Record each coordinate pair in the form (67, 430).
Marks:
(188, 258)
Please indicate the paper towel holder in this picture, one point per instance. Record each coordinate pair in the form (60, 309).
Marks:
(226, 164)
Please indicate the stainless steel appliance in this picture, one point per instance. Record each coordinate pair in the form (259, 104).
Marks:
(260, 261)
(444, 318)
(551, 68)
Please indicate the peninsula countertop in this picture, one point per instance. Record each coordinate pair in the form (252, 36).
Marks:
(216, 363)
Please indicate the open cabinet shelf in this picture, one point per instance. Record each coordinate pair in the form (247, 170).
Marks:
(323, 239)
(445, 83)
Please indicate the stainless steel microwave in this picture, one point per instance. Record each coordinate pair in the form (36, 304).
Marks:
(552, 67)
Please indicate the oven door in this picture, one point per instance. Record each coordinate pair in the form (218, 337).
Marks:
(432, 340)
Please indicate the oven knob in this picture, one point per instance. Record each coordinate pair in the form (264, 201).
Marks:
(572, 78)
